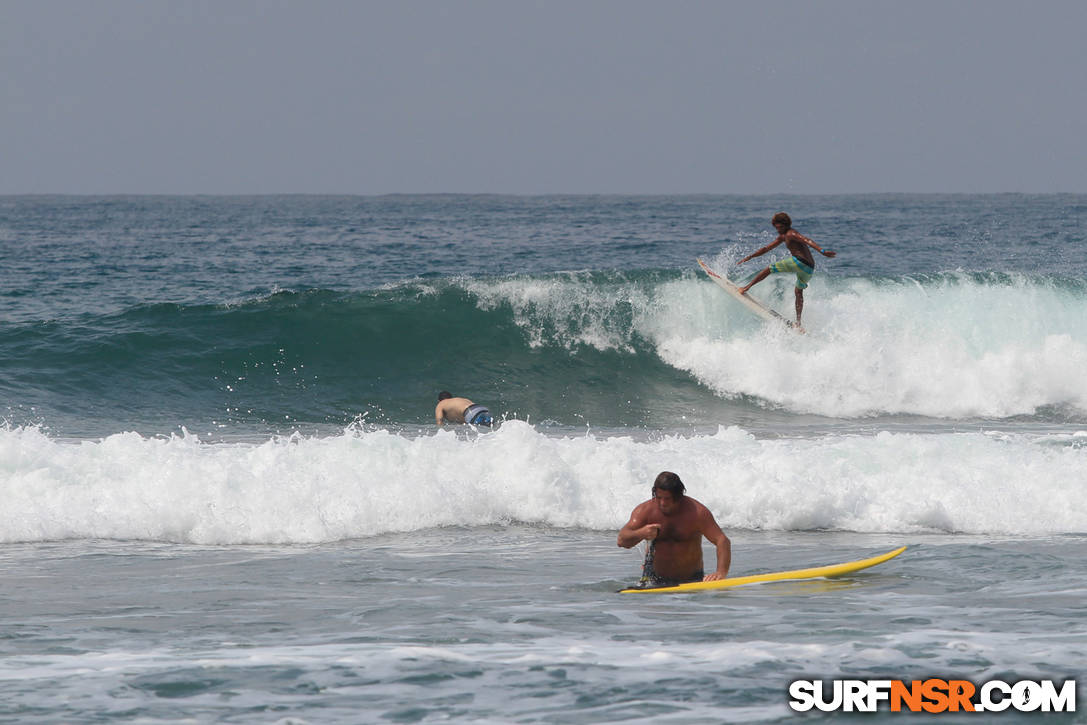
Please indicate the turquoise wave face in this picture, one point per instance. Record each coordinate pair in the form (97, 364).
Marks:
(322, 357)
(650, 349)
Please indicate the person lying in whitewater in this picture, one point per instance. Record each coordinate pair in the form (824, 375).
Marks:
(802, 264)
(674, 525)
(460, 410)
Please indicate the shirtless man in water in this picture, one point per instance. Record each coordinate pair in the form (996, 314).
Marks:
(802, 264)
(460, 410)
(674, 525)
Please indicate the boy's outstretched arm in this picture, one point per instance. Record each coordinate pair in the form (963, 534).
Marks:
(764, 250)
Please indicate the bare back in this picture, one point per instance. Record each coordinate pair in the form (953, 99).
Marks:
(451, 410)
(797, 244)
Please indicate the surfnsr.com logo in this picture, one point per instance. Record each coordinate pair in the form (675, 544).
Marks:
(932, 695)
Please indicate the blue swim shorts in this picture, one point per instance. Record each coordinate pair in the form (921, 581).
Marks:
(476, 414)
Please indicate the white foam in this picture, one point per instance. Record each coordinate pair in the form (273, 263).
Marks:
(952, 349)
(366, 483)
(567, 310)
(948, 346)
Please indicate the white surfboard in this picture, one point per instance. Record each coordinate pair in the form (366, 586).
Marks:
(746, 300)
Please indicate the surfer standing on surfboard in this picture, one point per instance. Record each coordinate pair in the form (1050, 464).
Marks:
(674, 525)
(801, 263)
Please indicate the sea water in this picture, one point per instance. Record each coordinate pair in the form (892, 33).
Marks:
(223, 496)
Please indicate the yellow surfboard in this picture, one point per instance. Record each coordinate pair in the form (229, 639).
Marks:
(813, 573)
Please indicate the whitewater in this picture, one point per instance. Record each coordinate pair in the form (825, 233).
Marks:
(950, 345)
(223, 496)
(301, 490)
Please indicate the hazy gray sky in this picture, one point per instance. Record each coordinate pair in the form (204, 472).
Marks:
(623, 96)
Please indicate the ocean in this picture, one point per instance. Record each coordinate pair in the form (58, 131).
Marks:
(223, 497)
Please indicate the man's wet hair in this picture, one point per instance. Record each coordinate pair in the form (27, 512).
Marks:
(668, 481)
(782, 218)
(444, 395)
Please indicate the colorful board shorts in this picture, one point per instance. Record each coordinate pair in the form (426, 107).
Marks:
(476, 414)
(792, 265)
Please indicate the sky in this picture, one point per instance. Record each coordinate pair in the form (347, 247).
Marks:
(542, 97)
